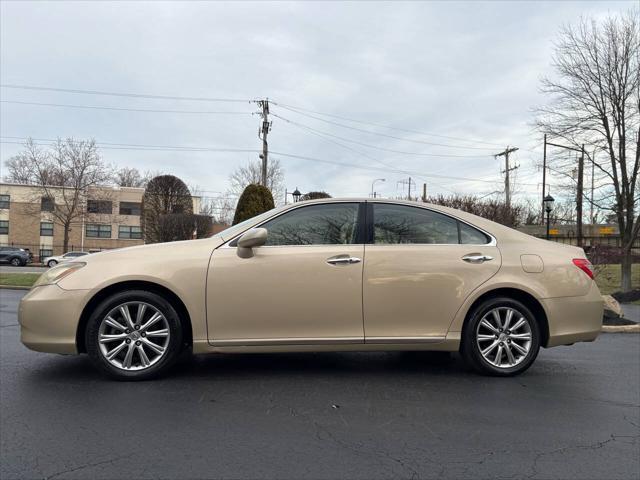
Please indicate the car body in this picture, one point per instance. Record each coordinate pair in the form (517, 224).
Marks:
(324, 275)
(67, 257)
(15, 256)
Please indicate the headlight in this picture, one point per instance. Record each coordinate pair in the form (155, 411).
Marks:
(55, 274)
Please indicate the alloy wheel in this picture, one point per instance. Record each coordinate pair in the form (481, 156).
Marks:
(133, 336)
(504, 336)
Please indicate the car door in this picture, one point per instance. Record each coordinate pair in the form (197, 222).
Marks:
(420, 266)
(3, 254)
(303, 286)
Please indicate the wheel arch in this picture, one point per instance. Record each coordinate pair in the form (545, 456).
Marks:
(520, 295)
(167, 294)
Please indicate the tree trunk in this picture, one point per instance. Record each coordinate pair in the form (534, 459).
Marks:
(65, 244)
(625, 271)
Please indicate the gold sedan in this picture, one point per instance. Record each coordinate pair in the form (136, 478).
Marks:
(327, 275)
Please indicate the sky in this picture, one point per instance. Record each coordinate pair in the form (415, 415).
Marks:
(359, 90)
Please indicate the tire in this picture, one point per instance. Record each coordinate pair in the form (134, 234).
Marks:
(141, 366)
(16, 262)
(51, 263)
(486, 349)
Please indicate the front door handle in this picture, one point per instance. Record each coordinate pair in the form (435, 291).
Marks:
(343, 260)
(477, 258)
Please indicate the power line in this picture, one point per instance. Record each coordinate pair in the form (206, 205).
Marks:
(383, 134)
(300, 110)
(122, 94)
(122, 146)
(322, 136)
(101, 107)
(401, 152)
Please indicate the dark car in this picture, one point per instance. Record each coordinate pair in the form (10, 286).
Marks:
(15, 256)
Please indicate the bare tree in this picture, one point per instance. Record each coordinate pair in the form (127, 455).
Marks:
(64, 176)
(20, 168)
(492, 209)
(595, 101)
(251, 173)
(131, 177)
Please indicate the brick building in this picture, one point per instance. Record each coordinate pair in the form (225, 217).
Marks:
(110, 219)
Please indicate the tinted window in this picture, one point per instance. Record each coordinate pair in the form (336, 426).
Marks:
(328, 224)
(129, 208)
(393, 224)
(99, 206)
(470, 235)
(47, 204)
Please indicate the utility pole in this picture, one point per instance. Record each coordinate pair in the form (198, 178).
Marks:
(507, 169)
(544, 175)
(424, 193)
(406, 182)
(263, 131)
(579, 191)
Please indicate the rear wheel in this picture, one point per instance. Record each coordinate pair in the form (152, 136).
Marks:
(501, 338)
(134, 335)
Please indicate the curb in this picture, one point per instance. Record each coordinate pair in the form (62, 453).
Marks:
(621, 328)
(14, 287)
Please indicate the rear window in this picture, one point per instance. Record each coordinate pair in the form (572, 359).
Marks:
(470, 235)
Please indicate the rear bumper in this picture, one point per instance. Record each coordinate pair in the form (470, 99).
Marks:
(48, 317)
(574, 319)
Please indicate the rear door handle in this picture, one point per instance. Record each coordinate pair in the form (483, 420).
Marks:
(477, 258)
(343, 260)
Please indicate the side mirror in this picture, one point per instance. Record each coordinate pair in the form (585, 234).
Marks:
(255, 237)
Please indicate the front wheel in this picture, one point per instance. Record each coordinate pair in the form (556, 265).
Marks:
(501, 338)
(51, 263)
(16, 262)
(134, 335)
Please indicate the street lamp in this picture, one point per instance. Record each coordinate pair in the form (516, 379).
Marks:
(296, 195)
(548, 206)
(373, 194)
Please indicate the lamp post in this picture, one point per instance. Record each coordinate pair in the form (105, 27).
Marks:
(548, 206)
(296, 195)
(373, 193)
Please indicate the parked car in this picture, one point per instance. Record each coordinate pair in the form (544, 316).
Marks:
(14, 256)
(325, 275)
(55, 260)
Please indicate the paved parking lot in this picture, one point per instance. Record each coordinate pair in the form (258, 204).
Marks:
(575, 414)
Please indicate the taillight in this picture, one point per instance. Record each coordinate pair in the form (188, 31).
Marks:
(584, 265)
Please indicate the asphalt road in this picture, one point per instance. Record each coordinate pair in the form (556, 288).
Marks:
(574, 414)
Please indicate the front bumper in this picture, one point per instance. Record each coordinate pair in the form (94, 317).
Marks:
(49, 316)
(574, 319)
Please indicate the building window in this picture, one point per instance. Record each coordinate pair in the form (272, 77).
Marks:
(4, 227)
(4, 201)
(46, 229)
(99, 206)
(94, 230)
(45, 252)
(126, 231)
(47, 204)
(129, 208)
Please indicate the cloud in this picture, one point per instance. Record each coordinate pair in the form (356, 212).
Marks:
(459, 69)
